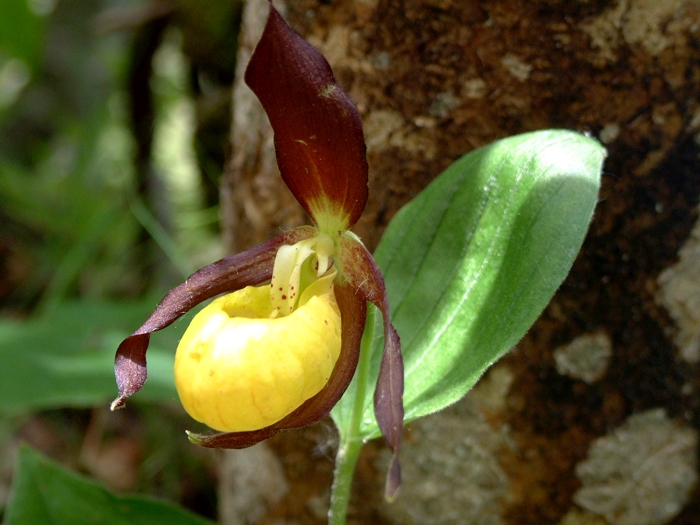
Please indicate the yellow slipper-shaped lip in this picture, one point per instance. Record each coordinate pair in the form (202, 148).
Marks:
(238, 370)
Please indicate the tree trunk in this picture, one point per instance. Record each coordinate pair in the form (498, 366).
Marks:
(434, 79)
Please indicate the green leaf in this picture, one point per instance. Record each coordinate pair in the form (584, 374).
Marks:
(66, 356)
(21, 32)
(472, 261)
(46, 494)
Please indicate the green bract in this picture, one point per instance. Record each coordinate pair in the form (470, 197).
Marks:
(472, 261)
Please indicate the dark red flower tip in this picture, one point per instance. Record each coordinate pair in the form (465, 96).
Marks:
(318, 132)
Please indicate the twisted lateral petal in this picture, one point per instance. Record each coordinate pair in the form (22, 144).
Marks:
(361, 272)
(318, 133)
(353, 312)
(230, 273)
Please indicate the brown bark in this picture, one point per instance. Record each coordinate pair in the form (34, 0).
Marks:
(434, 79)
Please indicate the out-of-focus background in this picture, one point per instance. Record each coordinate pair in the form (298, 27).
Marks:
(114, 118)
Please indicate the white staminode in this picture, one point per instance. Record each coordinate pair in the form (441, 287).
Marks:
(297, 266)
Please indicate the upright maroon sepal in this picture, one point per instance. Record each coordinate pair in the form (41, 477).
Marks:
(318, 133)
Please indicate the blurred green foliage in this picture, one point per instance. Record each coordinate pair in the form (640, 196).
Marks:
(51, 370)
(84, 252)
(69, 197)
(21, 33)
(47, 494)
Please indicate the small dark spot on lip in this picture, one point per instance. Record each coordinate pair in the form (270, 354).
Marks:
(284, 297)
(325, 321)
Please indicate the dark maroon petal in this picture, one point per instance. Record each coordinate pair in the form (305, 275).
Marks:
(353, 313)
(362, 272)
(318, 133)
(388, 403)
(230, 273)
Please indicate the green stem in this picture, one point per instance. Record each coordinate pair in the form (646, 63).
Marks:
(345, 462)
(351, 441)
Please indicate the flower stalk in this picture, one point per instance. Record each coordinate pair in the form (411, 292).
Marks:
(351, 441)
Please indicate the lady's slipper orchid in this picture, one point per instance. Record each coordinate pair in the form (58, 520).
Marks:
(271, 357)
